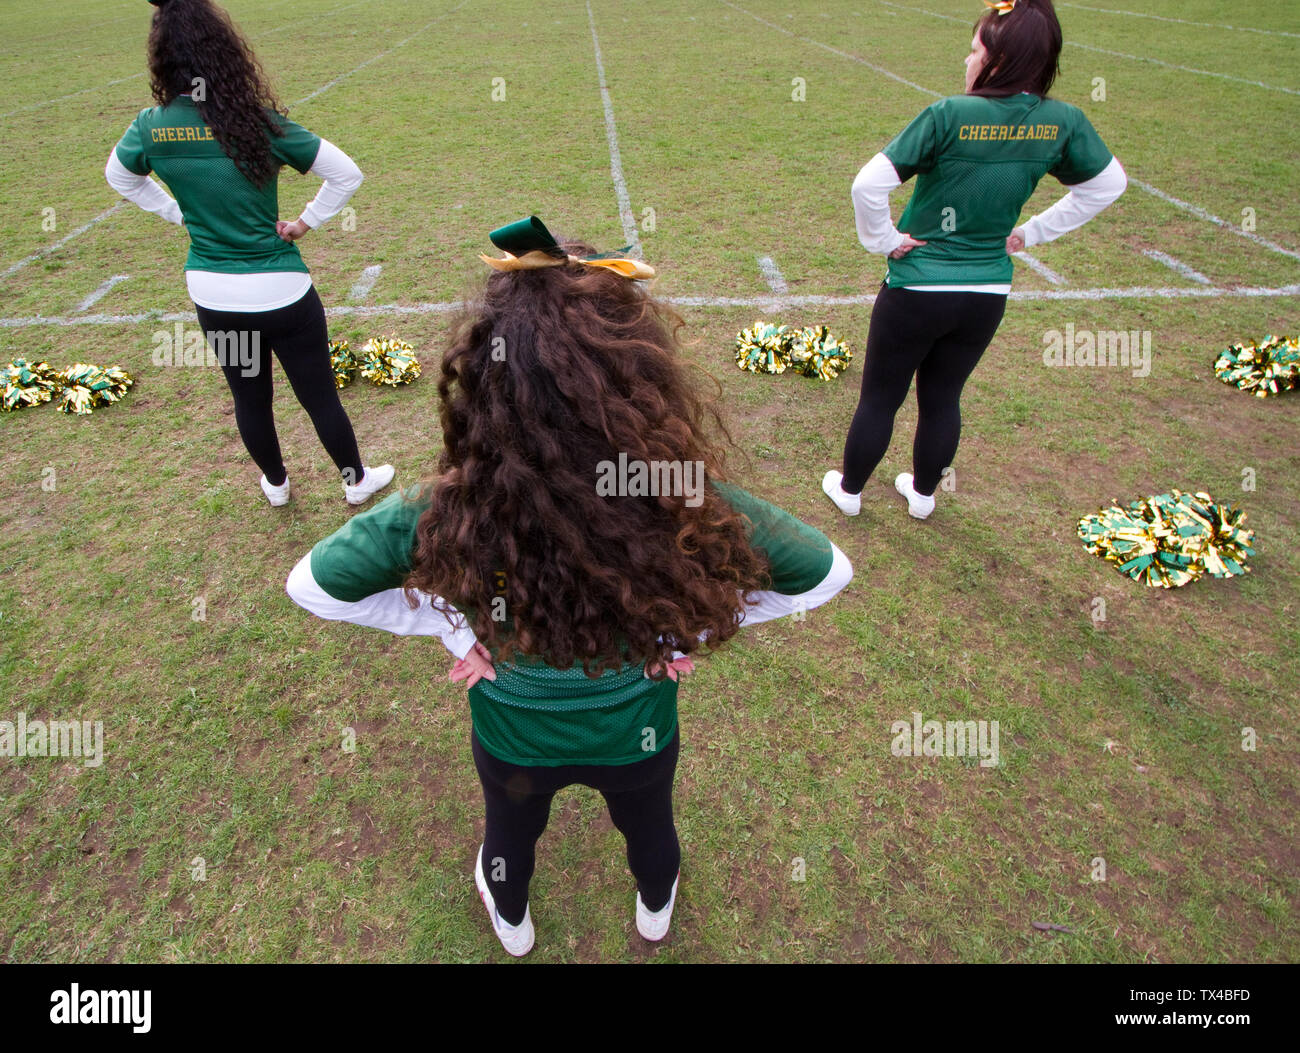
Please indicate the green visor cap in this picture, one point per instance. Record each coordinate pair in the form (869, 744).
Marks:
(524, 236)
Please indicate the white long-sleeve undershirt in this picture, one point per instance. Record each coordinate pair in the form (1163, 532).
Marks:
(390, 611)
(142, 190)
(877, 233)
(1083, 202)
(267, 290)
(387, 610)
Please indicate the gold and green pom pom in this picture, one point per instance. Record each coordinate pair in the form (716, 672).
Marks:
(388, 361)
(83, 387)
(27, 384)
(343, 362)
(763, 348)
(1171, 539)
(1265, 369)
(814, 352)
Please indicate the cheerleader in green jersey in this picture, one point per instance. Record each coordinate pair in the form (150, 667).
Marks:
(977, 158)
(580, 521)
(218, 139)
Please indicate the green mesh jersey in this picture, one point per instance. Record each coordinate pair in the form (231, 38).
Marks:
(534, 714)
(231, 222)
(977, 161)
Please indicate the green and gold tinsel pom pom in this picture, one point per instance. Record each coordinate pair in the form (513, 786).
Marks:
(83, 387)
(763, 348)
(343, 362)
(389, 361)
(814, 352)
(27, 384)
(1170, 540)
(1265, 369)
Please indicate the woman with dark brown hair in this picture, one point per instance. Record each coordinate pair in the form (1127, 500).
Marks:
(977, 158)
(218, 138)
(580, 520)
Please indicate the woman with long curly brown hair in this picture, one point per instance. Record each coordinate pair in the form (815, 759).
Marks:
(580, 520)
(218, 138)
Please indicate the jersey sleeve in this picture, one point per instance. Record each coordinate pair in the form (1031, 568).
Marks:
(1084, 156)
(914, 149)
(372, 552)
(295, 146)
(130, 149)
(800, 555)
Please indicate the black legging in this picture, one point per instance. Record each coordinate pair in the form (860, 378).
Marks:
(939, 337)
(518, 799)
(300, 339)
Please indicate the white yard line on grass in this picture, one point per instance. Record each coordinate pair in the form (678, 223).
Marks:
(14, 268)
(366, 282)
(314, 17)
(1041, 267)
(383, 54)
(1183, 69)
(1116, 54)
(84, 91)
(770, 301)
(772, 275)
(1210, 217)
(1180, 21)
(630, 234)
(1178, 266)
(136, 76)
(1195, 210)
(101, 292)
(834, 51)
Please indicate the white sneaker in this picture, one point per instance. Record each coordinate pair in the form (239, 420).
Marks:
(517, 939)
(277, 495)
(918, 505)
(849, 504)
(653, 925)
(372, 481)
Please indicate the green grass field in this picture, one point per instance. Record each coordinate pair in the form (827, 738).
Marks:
(1120, 739)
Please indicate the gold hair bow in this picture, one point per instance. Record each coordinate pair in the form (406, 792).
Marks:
(1002, 7)
(535, 260)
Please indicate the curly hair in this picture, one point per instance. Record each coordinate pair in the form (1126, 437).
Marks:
(553, 372)
(192, 39)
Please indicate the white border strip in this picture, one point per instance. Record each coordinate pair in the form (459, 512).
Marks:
(16, 267)
(1039, 266)
(779, 302)
(1177, 266)
(1180, 21)
(630, 234)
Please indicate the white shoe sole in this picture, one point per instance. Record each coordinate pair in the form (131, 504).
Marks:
(654, 926)
(490, 904)
(905, 488)
(830, 483)
(370, 484)
(273, 495)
